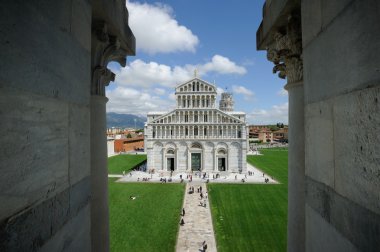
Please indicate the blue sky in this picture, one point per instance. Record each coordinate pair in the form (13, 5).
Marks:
(217, 37)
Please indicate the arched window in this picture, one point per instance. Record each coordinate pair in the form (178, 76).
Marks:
(170, 151)
(195, 131)
(205, 132)
(186, 131)
(221, 152)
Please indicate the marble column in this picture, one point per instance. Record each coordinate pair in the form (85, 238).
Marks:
(104, 48)
(286, 54)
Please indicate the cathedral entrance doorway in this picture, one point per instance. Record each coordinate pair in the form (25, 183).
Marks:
(196, 161)
(170, 164)
(222, 164)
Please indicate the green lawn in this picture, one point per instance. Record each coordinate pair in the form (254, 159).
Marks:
(273, 162)
(118, 164)
(148, 223)
(252, 217)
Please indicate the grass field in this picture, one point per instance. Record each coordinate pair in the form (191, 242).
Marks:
(148, 223)
(273, 162)
(118, 164)
(252, 217)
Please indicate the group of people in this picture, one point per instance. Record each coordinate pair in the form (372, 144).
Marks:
(164, 180)
(143, 179)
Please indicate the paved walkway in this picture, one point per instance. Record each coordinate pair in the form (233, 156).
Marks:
(198, 223)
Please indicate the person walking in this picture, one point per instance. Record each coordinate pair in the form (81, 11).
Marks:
(204, 246)
(183, 211)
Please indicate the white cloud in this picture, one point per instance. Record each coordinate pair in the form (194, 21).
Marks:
(221, 65)
(278, 113)
(142, 74)
(145, 74)
(159, 91)
(132, 101)
(282, 92)
(248, 94)
(157, 31)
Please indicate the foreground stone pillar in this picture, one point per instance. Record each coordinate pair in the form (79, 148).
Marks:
(286, 53)
(104, 48)
(296, 172)
(99, 175)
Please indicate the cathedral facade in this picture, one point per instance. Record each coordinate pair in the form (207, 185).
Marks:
(196, 135)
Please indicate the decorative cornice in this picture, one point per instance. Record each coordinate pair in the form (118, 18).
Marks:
(105, 48)
(286, 51)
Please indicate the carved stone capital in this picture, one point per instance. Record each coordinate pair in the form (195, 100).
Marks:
(286, 51)
(105, 48)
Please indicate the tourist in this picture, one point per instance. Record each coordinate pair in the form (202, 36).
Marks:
(204, 246)
(183, 211)
(204, 203)
(206, 195)
(182, 222)
(200, 189)
(235, 177)
(123, 173)
(201, 195)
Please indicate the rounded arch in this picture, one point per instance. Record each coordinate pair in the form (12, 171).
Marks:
(222, 145)
(236, 144)
(170, 145)
(222, 151)
(157, 144)
(196, 145)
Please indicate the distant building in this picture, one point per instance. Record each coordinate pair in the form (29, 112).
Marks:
(264, 134)
(129, 144)
(197, 136)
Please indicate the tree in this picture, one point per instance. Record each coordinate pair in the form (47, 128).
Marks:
(129, 135)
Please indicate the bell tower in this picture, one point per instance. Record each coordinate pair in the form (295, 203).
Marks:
(226, 103)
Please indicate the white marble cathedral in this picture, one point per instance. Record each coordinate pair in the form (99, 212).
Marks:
(197, 136)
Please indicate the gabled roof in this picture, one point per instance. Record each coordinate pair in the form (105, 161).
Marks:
(195, 79)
